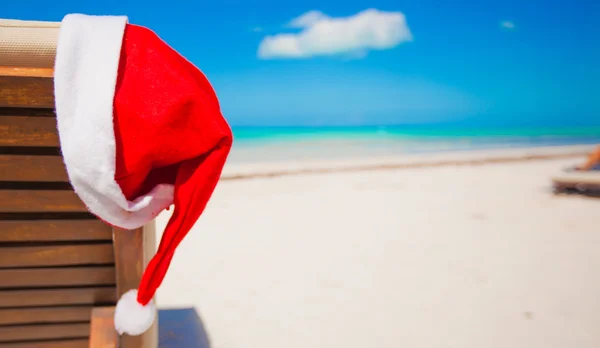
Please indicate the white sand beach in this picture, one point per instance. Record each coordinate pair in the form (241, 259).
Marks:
(413, 251)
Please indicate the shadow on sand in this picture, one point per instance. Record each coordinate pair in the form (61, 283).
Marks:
(181, 328)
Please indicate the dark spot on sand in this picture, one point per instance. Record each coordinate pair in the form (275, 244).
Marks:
(478, 216)
(528, 315)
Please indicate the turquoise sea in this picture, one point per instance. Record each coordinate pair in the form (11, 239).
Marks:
(294, 143)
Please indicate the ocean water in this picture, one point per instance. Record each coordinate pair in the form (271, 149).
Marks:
(300, 143)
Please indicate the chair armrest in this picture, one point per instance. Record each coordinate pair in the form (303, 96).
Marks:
(102, 331)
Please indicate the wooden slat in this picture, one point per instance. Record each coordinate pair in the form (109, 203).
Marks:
(32, 168)
(61, 255)
(57, 277)
(44, 315)
(26, 71)
(44, 332)
(26, 91)
(133, 251)
(54, 230)
(102, 331)
(77, 343)
(57, 297)
(40, 201)
(28, 131)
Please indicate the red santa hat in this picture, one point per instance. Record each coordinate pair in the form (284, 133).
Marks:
(140, 130)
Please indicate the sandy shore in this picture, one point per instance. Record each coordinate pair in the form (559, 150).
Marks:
(473, 252)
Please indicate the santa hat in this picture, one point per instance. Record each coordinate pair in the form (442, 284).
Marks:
(140, 129)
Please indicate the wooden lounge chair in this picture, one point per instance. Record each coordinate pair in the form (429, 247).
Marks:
(584, 179)
(61, 269)
(585, 182)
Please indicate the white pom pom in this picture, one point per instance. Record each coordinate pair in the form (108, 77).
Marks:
(131, 317)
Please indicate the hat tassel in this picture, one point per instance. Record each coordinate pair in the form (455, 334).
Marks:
(131, 317)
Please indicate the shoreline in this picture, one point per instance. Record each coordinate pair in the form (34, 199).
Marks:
(255, 170)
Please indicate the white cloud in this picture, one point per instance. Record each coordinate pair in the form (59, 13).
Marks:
(507, 25)
(323, 35)
(308, 19)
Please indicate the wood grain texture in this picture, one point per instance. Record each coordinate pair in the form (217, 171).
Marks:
(76, 343)
(43, 315)
(32, 168)
(102, 332)
(133, 251)
(61, 255)
(25, 71)
(26, 91)
(57, 277)
(28, 131)
(57, 297)
(40, 201)
(54, 230)
(44, 332)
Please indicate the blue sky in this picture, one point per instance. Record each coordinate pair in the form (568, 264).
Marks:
(460, 66)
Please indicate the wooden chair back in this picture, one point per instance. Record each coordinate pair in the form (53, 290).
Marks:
(58, 263)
